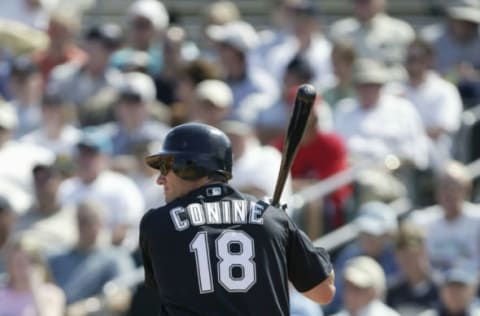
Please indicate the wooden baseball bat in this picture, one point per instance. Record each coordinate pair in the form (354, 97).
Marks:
(304, 100)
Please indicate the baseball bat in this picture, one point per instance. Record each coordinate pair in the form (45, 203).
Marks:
(304, 100)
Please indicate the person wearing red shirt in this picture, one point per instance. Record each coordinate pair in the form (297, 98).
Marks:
(62, 30)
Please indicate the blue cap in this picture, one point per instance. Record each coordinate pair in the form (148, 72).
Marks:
(97, 140)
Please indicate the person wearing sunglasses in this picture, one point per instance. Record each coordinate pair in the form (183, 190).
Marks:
(212, 250)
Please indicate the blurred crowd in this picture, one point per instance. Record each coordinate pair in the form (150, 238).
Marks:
(82, 104)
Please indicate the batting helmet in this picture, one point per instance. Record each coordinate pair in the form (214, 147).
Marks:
(194, 150)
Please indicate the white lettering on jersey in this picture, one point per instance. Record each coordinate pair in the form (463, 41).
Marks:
(213, 213)
(177, 221)
(196, 213)
(256, 211)
(226, 212)
(216, 213)
(240, 211)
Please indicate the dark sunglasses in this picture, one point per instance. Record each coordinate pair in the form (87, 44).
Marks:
(165, 165)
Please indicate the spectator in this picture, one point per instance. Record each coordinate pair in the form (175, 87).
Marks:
(364, 289)
(7, 218)
(376, 223)
(275, 34)
(34, 13)
(220, 13)
(29, 290)
(305, 40)
(83, 271)
(57, 132)
(437, 100)
(416, 292)
(62, 31)
(133, 113)
(90, 86)
(255, 166)
(214, 102)
(26, 88)
(189, 76)
(457, 294)
(456, 43)
(271, 122)
(375, 124)
(452, 228)
(376, 35)
(320, 155)
(343, 58)
(16, 161)
(235, 41)
(47, 225)
(177, 51)
(147, 20)
(94, 180)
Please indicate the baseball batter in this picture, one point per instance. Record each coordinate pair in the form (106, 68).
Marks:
(212, 250)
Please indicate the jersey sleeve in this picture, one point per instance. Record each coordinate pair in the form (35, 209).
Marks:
(144, 249)
(307, 265)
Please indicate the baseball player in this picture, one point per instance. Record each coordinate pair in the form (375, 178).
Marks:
(212, 250)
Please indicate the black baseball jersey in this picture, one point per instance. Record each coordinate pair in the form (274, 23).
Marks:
(217, 251)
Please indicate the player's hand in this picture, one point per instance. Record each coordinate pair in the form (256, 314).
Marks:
(282, 206)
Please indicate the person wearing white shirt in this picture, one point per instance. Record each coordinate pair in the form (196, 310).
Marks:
(452, 228)
(375, 34)
(57, 132)
(377, 124)
(438, 101)
(305, 40)
(93, 180)
(17, 161)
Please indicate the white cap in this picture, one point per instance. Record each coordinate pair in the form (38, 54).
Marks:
(140, 84)
(366, 71)
(152, 10)
(8, 117)
(216, 92)
(376, 218)
(238, 34)
(365, 272)
(466, 10)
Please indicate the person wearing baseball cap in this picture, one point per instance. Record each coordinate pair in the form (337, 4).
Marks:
(133, 112)
(95, 179)
(234, 44)
(146, 20)
(458, 287)
(456, 42)
(367, 121)
(365, 287)
(376, 223)
(214, 101)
